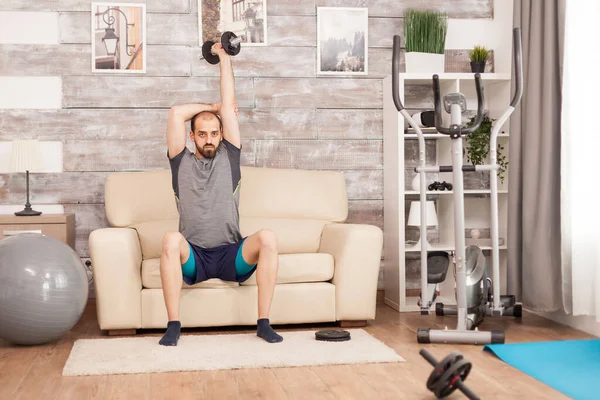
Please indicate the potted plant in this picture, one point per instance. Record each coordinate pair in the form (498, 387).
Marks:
(478, 146)
(425, 40)
(479, 56)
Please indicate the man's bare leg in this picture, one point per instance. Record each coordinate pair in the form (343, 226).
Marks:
(175, 252)
(261, 248)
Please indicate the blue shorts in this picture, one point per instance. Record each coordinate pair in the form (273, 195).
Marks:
(224, 262)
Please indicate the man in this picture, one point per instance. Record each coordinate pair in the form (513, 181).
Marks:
(207, 189)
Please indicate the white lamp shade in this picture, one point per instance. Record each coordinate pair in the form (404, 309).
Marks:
(25, 156)
(414, 216)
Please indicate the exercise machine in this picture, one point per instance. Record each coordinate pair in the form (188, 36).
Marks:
(477, 295)
(230, 42)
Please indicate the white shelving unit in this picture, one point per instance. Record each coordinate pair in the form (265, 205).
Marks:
(398, 175)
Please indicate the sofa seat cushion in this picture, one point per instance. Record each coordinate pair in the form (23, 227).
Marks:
(294, 235)
(302, 268)
(293, 268)
(151, 278)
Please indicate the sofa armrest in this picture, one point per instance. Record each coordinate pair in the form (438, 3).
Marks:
(356, 249)
(116, 258)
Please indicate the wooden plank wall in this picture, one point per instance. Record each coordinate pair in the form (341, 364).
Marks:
(113, 123)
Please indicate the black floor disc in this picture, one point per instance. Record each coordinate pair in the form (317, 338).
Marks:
(332, 335)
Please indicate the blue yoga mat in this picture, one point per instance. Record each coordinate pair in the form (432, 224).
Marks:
(569, 366)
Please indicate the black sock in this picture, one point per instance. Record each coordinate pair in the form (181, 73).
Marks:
(171, 336)
(266, 332)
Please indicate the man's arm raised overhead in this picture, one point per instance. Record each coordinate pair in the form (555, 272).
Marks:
(228, 107)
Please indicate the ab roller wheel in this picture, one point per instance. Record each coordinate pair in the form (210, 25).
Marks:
(448, 375)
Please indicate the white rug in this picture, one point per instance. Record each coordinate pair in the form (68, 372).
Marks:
(228, 351)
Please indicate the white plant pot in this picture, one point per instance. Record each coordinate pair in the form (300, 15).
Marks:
(416, 183)
(424, 62)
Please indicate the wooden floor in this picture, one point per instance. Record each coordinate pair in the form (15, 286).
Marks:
(35, 372)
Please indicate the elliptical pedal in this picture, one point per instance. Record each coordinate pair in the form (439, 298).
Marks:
(437, 266)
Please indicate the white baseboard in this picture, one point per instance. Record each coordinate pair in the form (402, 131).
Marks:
(585, 323)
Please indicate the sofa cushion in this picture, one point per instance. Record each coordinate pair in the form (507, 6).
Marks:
(293, 268)
(151, 278)
(302, 268)
(151, 234)
(293, 235)
(137, 197)
(293, 193)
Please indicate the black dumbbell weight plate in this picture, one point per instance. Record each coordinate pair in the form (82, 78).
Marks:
(226, 42)
(206, 53)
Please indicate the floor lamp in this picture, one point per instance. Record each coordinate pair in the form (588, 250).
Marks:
(25, 157)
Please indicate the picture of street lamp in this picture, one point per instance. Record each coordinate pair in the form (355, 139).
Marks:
(118, 37)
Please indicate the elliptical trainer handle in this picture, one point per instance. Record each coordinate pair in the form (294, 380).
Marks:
(437, 103)
(395, 72)
(518, 55)
(479, 116)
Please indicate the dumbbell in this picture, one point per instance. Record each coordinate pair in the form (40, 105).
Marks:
(230, 43)
(448, 375)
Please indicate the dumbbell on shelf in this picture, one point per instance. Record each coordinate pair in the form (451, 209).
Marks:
(439, 186)
(229, 41)
(448, 375)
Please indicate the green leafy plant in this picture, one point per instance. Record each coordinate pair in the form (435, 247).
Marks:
(479, 54)
(425, 31)
(478, 146)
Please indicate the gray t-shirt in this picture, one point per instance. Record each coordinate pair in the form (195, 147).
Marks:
(207, 192)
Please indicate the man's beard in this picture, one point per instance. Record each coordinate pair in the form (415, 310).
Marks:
(208, 151)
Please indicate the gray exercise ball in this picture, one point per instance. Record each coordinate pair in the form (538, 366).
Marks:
(43, 289)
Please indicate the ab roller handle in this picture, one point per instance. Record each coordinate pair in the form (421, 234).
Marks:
(229, 41)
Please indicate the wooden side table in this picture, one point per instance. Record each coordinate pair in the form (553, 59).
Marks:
(59, 226)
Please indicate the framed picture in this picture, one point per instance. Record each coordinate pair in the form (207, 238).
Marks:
(246, 18)
(118, 37)
(342, 40)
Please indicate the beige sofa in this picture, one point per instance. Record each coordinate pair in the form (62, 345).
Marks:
(328, 270)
